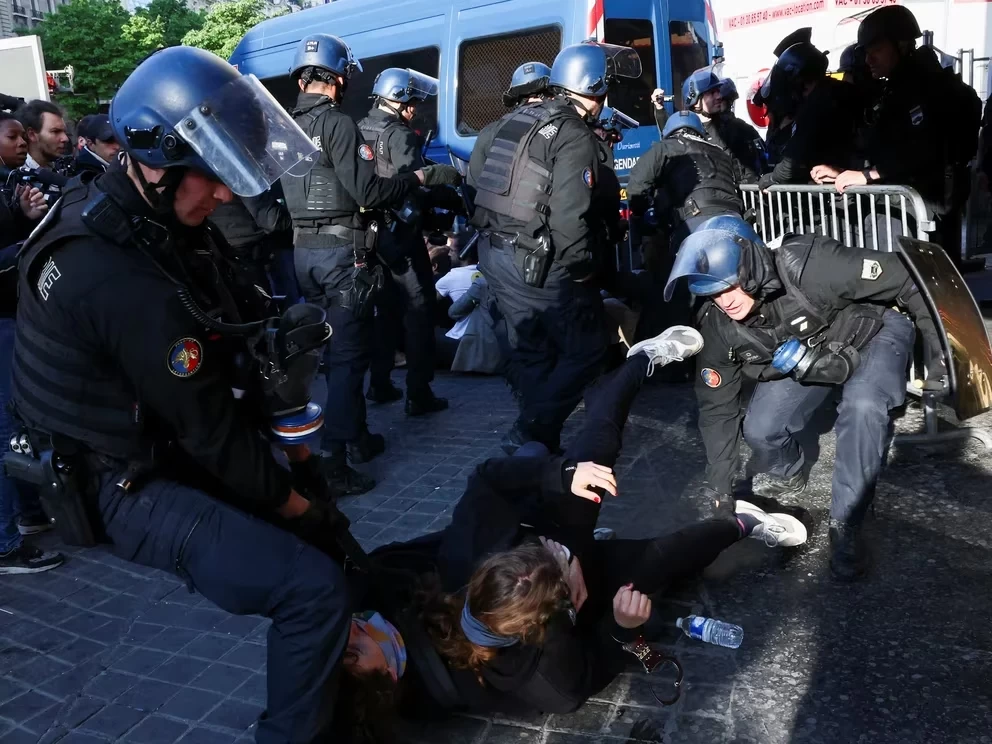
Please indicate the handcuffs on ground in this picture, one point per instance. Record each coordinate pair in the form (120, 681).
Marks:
(652, 660)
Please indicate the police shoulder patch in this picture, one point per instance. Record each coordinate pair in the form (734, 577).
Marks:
(588, 178)
(185, 357)
(365, 152)
(870, 269)
(711, 378)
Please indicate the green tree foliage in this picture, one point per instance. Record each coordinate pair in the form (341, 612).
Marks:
(88, 34)
(177, 18)
(225, 25)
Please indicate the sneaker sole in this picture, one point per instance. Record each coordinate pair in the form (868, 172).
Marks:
(690, 352)
(33, 529)
(796, 528)
(12, 570)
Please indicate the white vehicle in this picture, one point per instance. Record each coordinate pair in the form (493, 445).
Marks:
(750, 29)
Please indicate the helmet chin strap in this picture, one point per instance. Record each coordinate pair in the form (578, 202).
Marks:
(161, 194)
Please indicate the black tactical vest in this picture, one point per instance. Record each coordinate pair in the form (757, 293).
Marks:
(62, 386)
(512, 183)
(319, 197)
(797, 316)
(376, 131)
(699, 180)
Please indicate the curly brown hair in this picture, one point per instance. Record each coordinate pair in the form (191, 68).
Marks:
(515, 593)
(366, 707)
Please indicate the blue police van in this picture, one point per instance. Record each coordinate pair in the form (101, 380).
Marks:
(473, 47)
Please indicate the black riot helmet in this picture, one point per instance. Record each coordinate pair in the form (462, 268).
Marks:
(782, 90)
(893, 22)
(799, 35)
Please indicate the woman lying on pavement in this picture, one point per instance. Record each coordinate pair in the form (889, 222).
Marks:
(515, 606)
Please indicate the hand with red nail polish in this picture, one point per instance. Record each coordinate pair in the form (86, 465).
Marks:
(589, 475)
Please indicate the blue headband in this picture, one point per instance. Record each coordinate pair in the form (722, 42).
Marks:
(479, 634)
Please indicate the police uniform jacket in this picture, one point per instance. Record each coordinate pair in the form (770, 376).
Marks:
(567, 149)
(107, 356)
(344, 181)
(811, 286)
(824, 133)
(682, 168)
(741, 140)
(394, 142)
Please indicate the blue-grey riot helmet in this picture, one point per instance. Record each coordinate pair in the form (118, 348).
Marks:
(184, 107)
(710, 257)
(728, 91)
(683, 120)
(701, 81)
(589, 68)
(403, 85)
(530, 79)
(325, 52)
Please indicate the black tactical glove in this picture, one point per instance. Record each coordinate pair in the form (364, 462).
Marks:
(441, 175)
(326, 528)
(933, 359)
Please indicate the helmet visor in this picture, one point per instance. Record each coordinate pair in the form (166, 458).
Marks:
(616, 120)
(420, 85)
(621, 61)
(246, 138)
(709, 259)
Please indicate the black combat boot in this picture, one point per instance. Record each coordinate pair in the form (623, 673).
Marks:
(421, 404)
(848, 554)
(388, 393)
(341, 478)
(366, 447)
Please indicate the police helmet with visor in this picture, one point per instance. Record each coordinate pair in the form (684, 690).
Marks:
(403, 85)
(588, 69)
(710, 257)
(324, 52)
(699, 82)
(530, 79)
(184, 107)
(728, 91)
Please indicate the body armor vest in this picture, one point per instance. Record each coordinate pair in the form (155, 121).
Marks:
(61, 385)
(512, 183)
(376, 131)
(796, 316)
(318, 198)
(699, 180)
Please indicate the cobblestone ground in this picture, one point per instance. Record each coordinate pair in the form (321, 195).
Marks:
(101, 650)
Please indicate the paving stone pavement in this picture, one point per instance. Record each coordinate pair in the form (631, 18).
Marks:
(101, 650)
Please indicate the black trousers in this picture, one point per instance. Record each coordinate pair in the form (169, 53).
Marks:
(247, 567)
(652, 564)
(406, 306)
(323, 274)
(557, 338)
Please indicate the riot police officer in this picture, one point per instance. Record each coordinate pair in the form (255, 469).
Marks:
(528, 84)
(824, 112)
(536, 247)
(909, 139)
(808, 319)
(337, 215)
(407, 299)
(686, 177)
(701, 94)
(124, 367)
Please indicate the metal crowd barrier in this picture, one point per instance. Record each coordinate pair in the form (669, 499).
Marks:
(846, 217)
(849, 218)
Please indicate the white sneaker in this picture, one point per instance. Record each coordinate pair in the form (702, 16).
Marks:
(674, 344)
(776, 530)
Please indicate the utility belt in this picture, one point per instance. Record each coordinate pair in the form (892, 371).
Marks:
(367, 278)
(532, 254)
(691, 208)
(64, 473)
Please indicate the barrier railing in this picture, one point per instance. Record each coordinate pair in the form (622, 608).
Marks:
(853, 218)
(856, 218)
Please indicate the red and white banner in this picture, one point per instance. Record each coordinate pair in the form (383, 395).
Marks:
(864, 3)
(596, 20)
(776, 13)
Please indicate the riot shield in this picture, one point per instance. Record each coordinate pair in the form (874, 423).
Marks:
(959, 322)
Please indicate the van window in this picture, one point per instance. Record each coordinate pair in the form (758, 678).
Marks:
(633, 97)
(357, 100)
(486, 65)
(687, 40)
